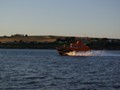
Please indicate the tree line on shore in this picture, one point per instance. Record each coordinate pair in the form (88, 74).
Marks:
(51, 42)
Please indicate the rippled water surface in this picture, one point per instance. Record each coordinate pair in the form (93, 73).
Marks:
(45, 70)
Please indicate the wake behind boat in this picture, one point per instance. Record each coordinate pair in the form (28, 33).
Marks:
(79, 46)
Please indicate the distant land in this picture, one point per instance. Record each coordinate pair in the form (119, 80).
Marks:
(20, 41)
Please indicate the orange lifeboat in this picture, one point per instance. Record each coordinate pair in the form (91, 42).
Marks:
(79, 46)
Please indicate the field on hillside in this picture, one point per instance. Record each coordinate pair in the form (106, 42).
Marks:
(28, 39)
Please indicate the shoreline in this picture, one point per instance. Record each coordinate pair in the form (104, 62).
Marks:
(51, 42)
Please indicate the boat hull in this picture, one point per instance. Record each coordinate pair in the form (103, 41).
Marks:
(62, 51)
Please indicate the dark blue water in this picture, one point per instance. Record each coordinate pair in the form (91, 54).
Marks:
(46, 70)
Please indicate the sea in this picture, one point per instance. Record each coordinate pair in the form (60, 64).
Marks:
(40, 69)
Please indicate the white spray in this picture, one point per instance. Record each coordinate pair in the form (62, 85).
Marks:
(94, 53)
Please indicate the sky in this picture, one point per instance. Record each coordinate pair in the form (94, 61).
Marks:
(82, 18)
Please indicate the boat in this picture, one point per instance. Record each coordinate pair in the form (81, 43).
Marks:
(79, 46)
